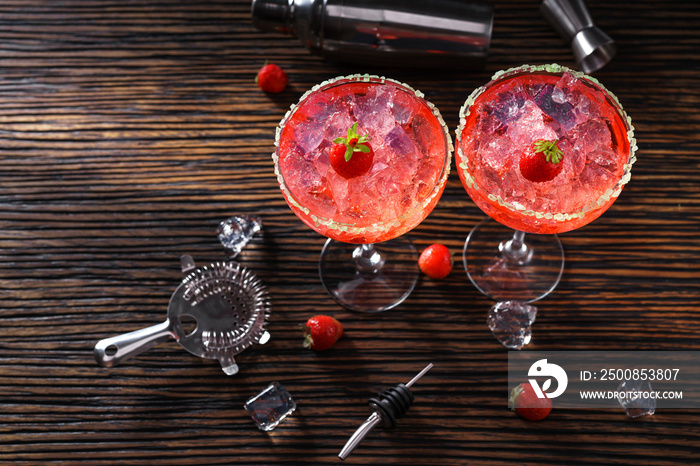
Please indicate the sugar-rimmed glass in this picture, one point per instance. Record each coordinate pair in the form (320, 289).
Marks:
(366, 264)
(519, 255)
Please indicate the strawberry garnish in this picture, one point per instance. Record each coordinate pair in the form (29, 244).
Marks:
(435, 261)
(541, 161)
(321, 332)
(524, 401)
(271, 78)
(351, 156)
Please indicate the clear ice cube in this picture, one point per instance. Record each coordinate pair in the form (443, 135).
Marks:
(510, 322)
(373, 110)
(309, 134)
(590, 135)
(270, 407)
(235, 232)
(402, 111)
(401, 143)
(531, 126)
(337, 127)
(495, 152)
(553, 102)
(509, 105)
(634, 400)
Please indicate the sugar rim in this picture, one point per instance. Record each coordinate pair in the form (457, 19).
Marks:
(379, 227)
(610, 193)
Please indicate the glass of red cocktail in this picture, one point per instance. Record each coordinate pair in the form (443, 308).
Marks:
(362, 160)
(541, 150)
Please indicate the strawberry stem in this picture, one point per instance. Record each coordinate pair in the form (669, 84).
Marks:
(550, 149)
(353, 142)
(308, 339)
(514, 394)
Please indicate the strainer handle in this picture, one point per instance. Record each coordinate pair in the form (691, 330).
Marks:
(112, 351)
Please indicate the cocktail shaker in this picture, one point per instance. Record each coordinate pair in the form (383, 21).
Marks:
(409, 33)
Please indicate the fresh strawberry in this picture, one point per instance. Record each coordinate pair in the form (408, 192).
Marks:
(271, 78)
(524, 402)
(436, 261)
(322, 332)
(541, 161)
(351, 156)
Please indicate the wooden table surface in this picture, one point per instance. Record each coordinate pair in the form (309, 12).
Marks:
(130, 129)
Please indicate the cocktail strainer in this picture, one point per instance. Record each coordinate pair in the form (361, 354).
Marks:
(225, 303)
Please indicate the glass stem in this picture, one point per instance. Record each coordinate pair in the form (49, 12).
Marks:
(367, 258)
(515, 250)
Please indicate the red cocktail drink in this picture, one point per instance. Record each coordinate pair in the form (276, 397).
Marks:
(522, 106)
(407, 175)
(363, 160)
(543, 150)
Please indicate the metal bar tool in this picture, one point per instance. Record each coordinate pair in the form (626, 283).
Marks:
(391, 405)
(592, 48)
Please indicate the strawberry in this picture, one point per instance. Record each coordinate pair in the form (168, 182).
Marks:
(541, 161)
(271, 78)
(524, 402)
(436, 261)
(322, 332)
(351, 156)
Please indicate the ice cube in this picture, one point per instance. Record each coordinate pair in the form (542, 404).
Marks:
(338, 186)
(559, 96)
(337, 126)
(425, 178)
(598, 174)
(420, 132)
(270, 407)
(373, 111)
(556, 105)
(235, 232)
(322, 160)
(402, 108)
(517, 190)
(574, 162)
(401, 144)
(510, 322)
(589, 135)
(635, 397)
(488, 123)
(494, 151)
(302, 174)
(509, 105)
(531, 126)
(309, 132)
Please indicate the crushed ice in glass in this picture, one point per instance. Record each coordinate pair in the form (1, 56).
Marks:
(634, 401)
(568, 110)
(510, 322)
(270, 406)
(404, 138)
(235, 232)
(509, 105)
(553, 102)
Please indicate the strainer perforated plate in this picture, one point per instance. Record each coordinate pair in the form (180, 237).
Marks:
(216, 312)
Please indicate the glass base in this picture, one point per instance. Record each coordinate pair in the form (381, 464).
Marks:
(529, 275)
(369, 278)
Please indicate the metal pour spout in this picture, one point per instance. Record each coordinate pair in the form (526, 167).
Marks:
(391, 405)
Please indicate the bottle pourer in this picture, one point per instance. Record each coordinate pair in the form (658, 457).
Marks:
(391, 405)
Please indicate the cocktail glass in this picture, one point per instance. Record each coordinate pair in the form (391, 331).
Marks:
(366, 265)
(517, 255)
